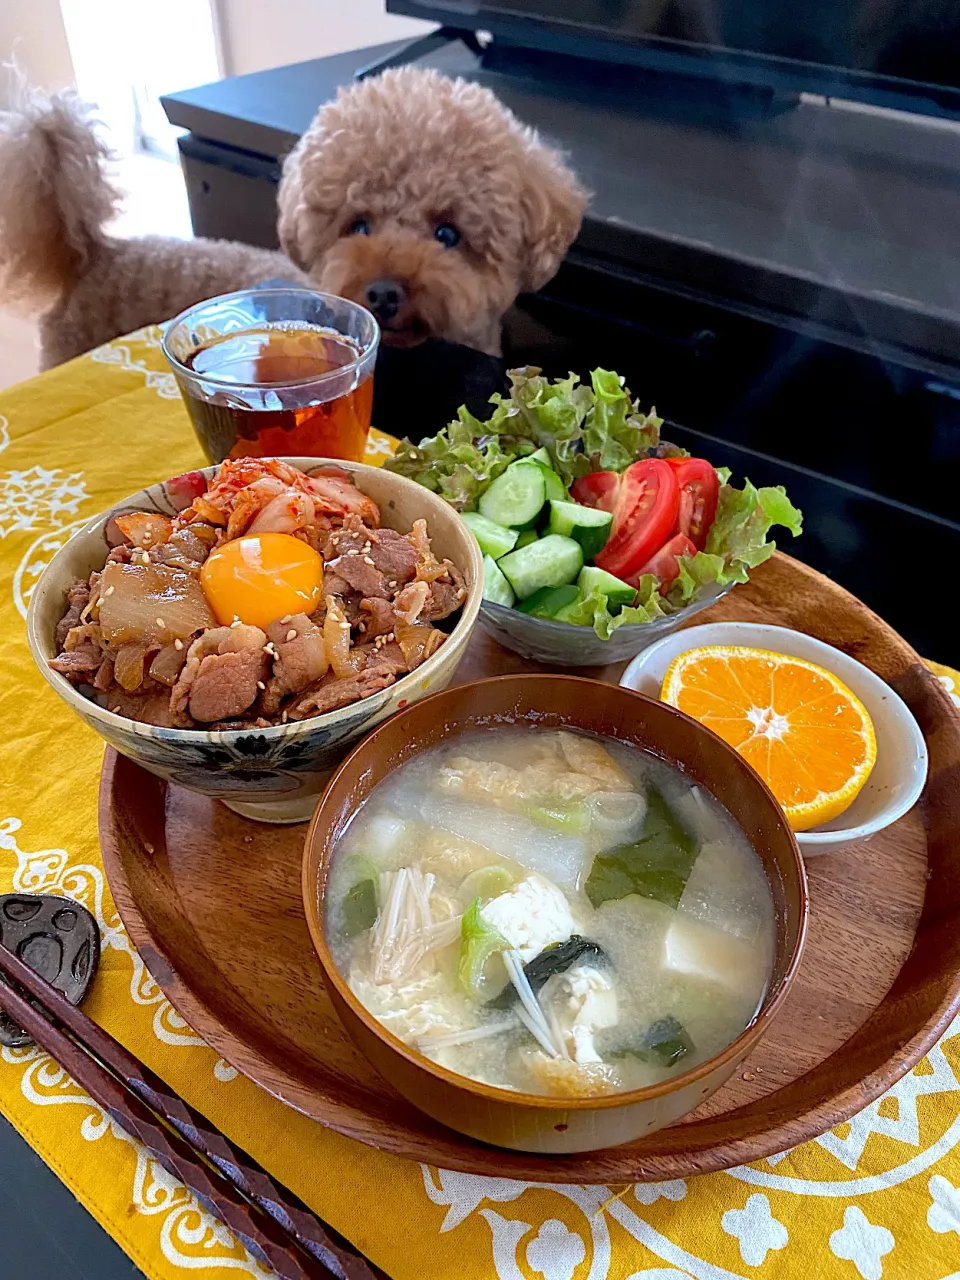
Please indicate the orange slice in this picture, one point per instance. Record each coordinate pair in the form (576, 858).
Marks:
(805, 733)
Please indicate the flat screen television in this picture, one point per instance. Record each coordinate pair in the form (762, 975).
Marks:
(895, 53)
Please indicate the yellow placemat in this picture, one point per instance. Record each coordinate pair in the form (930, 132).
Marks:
(877, 1198)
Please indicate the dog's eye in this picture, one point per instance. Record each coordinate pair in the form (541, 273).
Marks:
(447, 234)
(359, 227)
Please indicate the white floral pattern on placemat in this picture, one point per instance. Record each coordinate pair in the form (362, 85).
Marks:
(120, 356)
(38, 498)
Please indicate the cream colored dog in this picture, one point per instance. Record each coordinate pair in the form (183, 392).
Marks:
(419, 196)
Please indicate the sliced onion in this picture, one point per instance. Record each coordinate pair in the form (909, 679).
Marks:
(168, 663)
(429, 568)
(128, 666)
(336, 639)
(151, 604)
(417, 643)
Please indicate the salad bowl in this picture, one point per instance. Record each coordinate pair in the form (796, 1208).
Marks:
(563, 645)
(599, 538)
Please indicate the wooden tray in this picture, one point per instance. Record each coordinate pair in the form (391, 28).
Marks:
(212, 902)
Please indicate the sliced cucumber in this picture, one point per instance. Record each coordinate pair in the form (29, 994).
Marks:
(586, 525)
(548, 601)
(495, 586)
(494, 539)
(552, 482)
(515, 498)
(541, 456)
(616, 590)
(525, 538)
(549, 562)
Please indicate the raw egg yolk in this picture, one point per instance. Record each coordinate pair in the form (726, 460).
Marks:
(261, 578)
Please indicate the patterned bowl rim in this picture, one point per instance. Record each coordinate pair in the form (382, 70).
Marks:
(39, 644)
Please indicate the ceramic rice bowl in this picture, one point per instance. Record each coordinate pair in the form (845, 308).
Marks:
(274, 774)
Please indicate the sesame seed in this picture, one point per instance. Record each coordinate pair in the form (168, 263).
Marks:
(367, 560)
(283, 718)
(109, 591)
(236, 623)
(286, 618)
(292, 634)
(159, 622)
(344, 626)
(261, 685)
(148, 846)
(178, 645)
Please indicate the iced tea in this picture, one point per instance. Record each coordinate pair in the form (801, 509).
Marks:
(278, 361)
(276, 371)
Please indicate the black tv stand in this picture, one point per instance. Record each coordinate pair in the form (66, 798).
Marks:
(420, 48)
(574, 75)
(628, 83)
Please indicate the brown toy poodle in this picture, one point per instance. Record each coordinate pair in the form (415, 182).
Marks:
(419, 196)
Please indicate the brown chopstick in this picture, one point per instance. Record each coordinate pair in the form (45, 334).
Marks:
(275, 1225)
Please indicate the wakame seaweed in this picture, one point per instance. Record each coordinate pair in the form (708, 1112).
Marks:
(663, 1043)
(557, 958)
(657, 865)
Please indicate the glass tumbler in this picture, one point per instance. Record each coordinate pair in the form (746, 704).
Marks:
(276, 371)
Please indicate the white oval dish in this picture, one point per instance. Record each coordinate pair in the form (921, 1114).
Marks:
(899, 775)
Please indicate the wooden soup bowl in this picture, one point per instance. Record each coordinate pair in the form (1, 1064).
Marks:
(537, 1122)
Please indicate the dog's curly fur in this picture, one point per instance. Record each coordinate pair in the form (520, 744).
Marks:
(404, 151)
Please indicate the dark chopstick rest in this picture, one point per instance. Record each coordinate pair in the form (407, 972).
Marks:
(276, 1226)
(58, 939)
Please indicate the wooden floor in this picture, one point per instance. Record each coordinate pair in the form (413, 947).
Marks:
(155, 204)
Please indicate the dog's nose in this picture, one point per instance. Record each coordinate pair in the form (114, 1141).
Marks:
(385, 298)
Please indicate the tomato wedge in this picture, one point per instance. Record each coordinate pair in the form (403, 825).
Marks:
(644, 517)
(699, 491)
(665, 563)
(599, 489)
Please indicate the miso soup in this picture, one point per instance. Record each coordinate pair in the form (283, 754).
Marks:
(550, 912)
